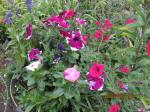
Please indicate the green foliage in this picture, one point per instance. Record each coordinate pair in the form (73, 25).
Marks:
(46, 90)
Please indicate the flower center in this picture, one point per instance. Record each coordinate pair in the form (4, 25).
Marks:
(76, 39)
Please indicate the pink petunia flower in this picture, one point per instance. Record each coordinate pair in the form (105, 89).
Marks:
(34, 54)
(95, 83)
(96, 70)
(114, 108)
(75, 41)
(107, 24)
(123, 69)
(129, 21)
(148, 48)
(71, 74)
(28, 31)
(98, 34)
(80, 21)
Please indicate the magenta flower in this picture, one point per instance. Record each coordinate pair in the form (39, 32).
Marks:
(75, 41)
(129, 21)
(56, 21)
(106, 38)
(107, 24)
(97, 23)
(96, 70)
(85, 40)
(98, 34)
(147, 47)
(28, 31)
(95, 83)
(67, 14)
(80, 21)
(64, 24)
(122, 86)
(34, 54)
(71, 74)
(114, 108)
(123, 69)
(66, 34)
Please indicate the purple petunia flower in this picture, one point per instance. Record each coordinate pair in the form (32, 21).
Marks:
(34, 54)
(28, 31)
(56, 58)
(75, 41)
(61, 47)
(95, 83)
(29, 5)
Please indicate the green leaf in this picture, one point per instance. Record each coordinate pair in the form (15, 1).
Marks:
(41, 85)
(57, 93)
(148, 16)
(29, 108)
(69, 92)
(30, 81)
(147, 32)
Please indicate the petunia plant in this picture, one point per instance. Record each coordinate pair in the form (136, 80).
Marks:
(65, 62)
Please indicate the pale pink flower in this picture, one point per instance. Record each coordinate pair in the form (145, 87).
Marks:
(71, 74)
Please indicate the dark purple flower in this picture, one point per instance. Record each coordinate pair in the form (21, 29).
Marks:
(34, 54)
(60, 47)
(56, 58)
(29, 5)
(17, 11)
(28, 31)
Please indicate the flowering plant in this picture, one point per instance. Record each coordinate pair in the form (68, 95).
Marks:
(63, 59)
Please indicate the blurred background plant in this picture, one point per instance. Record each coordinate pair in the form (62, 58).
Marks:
(46, 90)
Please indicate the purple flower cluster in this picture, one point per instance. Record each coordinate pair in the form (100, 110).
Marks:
(29, 5)
(7, 18)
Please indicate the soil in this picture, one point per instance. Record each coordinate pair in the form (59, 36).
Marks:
(10, 107)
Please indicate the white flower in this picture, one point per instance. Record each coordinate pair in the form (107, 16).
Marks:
(34, 65)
